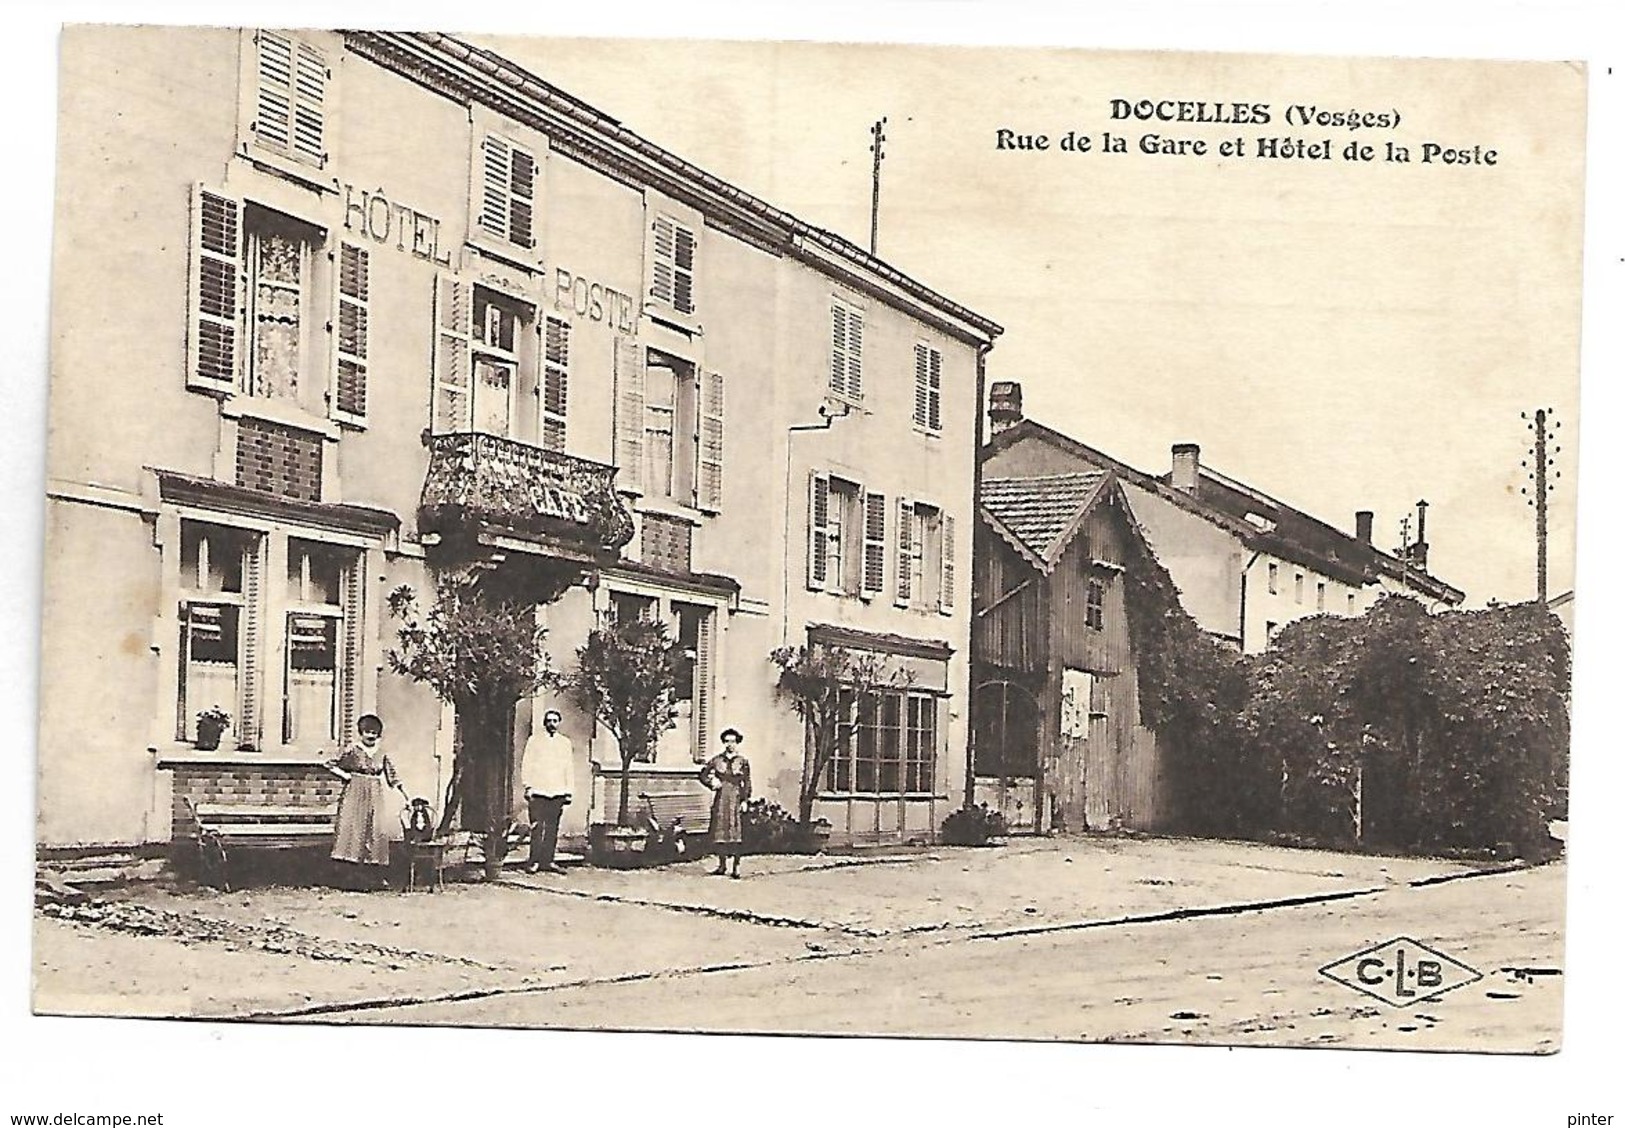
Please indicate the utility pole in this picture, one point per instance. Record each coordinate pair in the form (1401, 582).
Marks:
(1544, 418)
(878, 131)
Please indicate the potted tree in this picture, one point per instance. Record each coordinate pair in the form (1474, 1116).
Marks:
(626, 677)
(480, 652)
(826, 685)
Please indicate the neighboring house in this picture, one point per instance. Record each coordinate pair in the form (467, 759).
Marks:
(1058, 740)
(1245, 563)
(335, 346)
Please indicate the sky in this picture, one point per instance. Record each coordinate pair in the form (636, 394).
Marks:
(1341, 334)
(1338, 342)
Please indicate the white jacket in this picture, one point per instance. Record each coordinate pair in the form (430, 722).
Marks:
(550, 764)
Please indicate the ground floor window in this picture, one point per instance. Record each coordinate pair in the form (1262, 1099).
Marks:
(888, 747)
(240, 636)
(692, 627)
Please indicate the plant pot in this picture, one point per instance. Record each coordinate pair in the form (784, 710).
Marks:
(615, 847)
(812, 838)
(208, 738)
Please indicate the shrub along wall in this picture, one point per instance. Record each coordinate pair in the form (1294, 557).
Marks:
(1417, 732)
(1396, 730)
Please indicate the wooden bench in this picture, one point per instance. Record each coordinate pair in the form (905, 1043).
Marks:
(224, 829)
(693, 808)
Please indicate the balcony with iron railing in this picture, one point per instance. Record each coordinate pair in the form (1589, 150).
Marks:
(481, 484)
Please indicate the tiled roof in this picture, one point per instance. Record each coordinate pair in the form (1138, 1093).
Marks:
(1039, 511)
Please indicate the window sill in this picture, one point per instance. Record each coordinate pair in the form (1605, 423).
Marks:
(239, 406)
(276, 164)
(187, 755)
(508, 254)
(666, 507)
(928, 433)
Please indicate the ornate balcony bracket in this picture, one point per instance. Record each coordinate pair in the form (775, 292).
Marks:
(480, 486)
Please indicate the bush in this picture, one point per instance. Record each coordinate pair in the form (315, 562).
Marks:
(770, 829)
(973, 826)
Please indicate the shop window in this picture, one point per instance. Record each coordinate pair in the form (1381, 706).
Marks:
(887, 747)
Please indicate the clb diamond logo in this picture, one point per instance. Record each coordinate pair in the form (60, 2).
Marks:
(1401, 972)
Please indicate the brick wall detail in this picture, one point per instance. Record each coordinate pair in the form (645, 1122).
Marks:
(279, 460)
(270, 785)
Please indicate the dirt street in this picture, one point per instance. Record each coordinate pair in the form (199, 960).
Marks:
(1151, 940)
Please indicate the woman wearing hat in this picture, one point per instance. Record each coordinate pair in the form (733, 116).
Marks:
(728, 776)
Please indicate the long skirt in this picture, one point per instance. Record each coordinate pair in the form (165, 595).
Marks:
(727, 828)
(366, 823)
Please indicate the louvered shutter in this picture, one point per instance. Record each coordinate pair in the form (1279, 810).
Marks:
(555, 383)
(494, 181)
(454, 312)
(854, 353)
(522, 200)
(291, 97)
(350, 335)
(874, 543)
(629, 414)
(922, 385)
(215, 277)
(660, 277)
(905, 552)
(251, 647)
(703, 691)
(837, 349)
(710, 476)
(352, 666)
(671, 274)
(933, 415)
(817, 531)
(945, 596)
(683, 275)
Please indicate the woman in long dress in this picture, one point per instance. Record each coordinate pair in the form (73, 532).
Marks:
(367, 821)
(728, 776)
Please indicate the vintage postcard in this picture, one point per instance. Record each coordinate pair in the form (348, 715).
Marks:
(782, 537)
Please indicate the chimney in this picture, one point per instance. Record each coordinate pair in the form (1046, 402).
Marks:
(1362, 525)
(1419, 550)
(1004, 405)
(1187, 467)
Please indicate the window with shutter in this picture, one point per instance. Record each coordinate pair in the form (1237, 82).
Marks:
(927, 387)
(672, 266)
(507, 191)
(846, 349)
(945, 594)
(350, 339)
(290, 98)
(629, 415)
(555, 382)
(874, 543)
(452, 363)
(818, 531)
(500, 363)
(213, 352)
(710, 444)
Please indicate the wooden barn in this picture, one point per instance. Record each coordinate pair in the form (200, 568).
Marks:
(1057, 742)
